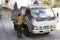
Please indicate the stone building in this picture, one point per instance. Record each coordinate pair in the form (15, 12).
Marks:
(6, 6)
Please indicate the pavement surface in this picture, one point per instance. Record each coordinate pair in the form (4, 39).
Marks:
(7, 32)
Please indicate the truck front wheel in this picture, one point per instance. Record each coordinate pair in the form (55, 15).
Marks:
(47, 33)
(26, 31)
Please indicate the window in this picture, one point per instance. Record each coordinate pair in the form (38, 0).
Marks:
(0, 14)
(42, 12)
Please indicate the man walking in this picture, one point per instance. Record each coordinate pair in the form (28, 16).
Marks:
(19, 27)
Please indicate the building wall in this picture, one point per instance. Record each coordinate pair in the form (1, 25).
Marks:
(9, 4)
(14, 15)
(49, 3)
(6, 15)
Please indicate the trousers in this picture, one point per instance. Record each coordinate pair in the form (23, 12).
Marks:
(19, 30)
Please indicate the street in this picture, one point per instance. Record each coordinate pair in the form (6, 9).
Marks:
(7, 32)
(37, 15)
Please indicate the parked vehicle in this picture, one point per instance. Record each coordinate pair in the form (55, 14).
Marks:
(38, 19)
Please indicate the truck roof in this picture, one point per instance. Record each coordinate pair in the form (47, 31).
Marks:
(39, 7)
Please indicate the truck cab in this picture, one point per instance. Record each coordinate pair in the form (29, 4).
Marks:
(39, 20)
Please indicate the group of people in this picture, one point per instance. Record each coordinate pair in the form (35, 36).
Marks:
(18, 22)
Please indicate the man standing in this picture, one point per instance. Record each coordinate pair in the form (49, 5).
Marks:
(19, 27)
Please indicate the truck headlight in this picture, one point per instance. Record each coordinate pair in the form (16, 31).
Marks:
(53, 26)
(35, 27)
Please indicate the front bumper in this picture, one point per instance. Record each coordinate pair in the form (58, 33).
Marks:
(42, 31)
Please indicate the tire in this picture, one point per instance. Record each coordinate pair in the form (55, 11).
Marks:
(47, 33)
(26, 31)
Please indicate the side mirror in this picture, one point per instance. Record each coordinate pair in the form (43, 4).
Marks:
(57, 15)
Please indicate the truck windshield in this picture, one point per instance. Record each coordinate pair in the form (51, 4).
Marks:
(42, 12)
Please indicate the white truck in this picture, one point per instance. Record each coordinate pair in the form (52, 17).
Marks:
(38, 20)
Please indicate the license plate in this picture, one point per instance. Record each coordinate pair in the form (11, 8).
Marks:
(46, 31)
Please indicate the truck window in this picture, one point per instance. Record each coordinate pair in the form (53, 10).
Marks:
(28, 13)
(42, 12)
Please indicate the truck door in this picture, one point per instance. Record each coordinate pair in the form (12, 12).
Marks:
(28, 19)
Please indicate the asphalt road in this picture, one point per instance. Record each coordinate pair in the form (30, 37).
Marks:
(7, 32)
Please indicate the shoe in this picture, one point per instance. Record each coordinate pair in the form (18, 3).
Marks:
(21, 37)
(18, 37)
